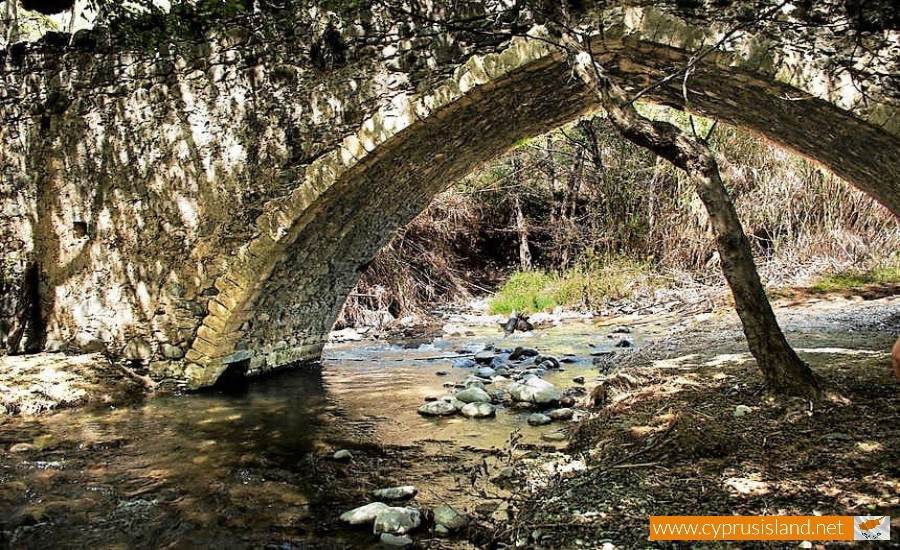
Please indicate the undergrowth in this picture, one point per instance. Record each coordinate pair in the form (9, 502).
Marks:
(585, 286)
(851, 279)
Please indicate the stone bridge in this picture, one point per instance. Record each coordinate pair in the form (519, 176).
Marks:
(212, 200)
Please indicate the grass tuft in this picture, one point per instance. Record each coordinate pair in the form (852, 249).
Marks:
(851, 279)
(585, 286)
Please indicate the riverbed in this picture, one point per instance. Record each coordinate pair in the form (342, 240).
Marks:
(257, 468)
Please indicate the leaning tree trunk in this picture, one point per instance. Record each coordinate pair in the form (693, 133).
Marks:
(782, 369)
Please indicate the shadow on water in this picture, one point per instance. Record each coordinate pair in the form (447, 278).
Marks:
(251, 465)
(219, 469)
(253, 468)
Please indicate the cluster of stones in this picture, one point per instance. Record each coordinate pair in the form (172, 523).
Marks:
(511, 378)
(393, 524)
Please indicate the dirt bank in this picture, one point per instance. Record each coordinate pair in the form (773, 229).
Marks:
(40, 382)
(688, 429)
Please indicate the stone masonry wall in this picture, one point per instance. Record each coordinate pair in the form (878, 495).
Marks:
(133, 177)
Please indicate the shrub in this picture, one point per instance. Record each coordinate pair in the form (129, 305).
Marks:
(588, 285)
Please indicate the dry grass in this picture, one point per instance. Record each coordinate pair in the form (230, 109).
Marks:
(668, 442)
(804, 224)
(428, 262)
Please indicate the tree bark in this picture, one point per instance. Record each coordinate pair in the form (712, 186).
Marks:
(782, 369)
(566, 223)
(521, 226)
(522, 230)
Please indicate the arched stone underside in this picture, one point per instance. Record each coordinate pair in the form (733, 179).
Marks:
(282, 310)
(198, 209)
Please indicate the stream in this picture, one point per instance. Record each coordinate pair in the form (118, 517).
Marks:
(255, 469)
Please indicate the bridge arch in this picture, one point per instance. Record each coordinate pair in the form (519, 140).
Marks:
(281, 292)
(212, 200)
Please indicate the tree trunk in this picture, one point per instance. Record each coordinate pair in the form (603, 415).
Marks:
(12, 17)
(782, 369)
(522, 230)
(567, 211)
(550, 164)
(521, 227)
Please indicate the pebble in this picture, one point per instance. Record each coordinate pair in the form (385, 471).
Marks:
(578, 380)
(442, 373)
(474, 395)
(538, 419)
(437, 408)
(486, 372)
(22, 448)
(521, 352)
(478, 410)
(397, 521)
(484, 357)
(499, 395)
(396, 493)
(364, 514)
(450, 517)
(741, 410)
(396, 541)
(549, 362)
(623, 344)
(463, 363)
(535, 390)
(343, 455)
(499, 360)
(561, 414)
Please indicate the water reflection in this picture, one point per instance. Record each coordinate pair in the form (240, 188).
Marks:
(254, 469)
(181, 471)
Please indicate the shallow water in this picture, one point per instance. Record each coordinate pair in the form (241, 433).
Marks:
(254, 470)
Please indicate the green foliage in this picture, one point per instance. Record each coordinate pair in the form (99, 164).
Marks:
(526, 292)
(145, 24)
(591, 283)
(851, 279)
